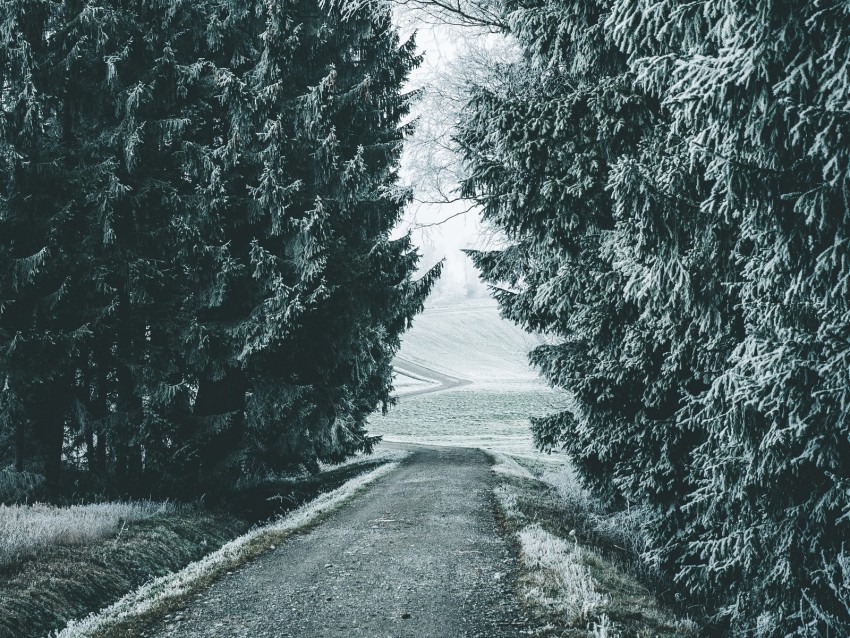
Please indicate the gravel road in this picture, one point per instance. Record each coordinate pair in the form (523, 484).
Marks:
(417, 371)
(418, 555)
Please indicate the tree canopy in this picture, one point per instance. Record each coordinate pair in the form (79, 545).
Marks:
(672, 184)
(198, 277)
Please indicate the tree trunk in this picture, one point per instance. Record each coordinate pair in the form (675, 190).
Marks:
(100, 410)
(222, 397)
(90, 451)
(129, 402)
(20, 442)
(100, 452)
(53, 433)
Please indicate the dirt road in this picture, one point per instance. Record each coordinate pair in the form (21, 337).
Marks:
(418, 555)
(441, 381)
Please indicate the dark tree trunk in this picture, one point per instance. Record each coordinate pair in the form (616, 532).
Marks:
(100, 410)
(100, 452)
(53, 452)
(129, 402)
(20, 442)
(90, 451)
(54, 402)
(223, 397)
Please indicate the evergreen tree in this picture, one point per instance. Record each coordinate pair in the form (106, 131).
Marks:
(671, 183)
(606, 253)
(753, 89)
(323, 293)
(213, 199)
(43, 317)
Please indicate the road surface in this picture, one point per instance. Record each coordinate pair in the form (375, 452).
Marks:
(441, 381)
(418, 555)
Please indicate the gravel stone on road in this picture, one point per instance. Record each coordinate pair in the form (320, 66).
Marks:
(418, 555)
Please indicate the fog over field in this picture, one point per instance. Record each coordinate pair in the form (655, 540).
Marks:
(467, 341)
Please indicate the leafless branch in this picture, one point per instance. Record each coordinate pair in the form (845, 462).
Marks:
(469, 209)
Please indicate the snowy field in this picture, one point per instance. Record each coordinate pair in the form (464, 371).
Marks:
(469, 342)
(469, 417)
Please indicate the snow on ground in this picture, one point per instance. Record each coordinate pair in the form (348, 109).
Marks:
(468, 340)
(405, 383)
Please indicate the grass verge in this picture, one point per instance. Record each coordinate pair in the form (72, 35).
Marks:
(26, 531)
(69, 581)
(129, 616)
(581, 573)
(44, 592)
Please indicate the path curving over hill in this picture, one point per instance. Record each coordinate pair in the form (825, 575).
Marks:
(437, 380)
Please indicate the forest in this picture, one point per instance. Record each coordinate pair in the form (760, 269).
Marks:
(672, 179)
(199, 278)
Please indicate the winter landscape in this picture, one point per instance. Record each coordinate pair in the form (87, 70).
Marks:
(424, 318)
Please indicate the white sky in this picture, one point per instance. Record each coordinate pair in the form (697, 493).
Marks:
(448, 237)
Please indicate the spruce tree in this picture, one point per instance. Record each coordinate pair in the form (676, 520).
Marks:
(671, 183)
(753, 90)
(577, 167)
(213, 201)
(43, 284)
(323, 293)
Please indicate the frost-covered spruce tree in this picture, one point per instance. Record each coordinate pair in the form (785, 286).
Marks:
(758, 91)
(606, 252)
(44, 285)
(156, 140)
(94, 174)
(536, 146)
(297, 320)
(216, 186)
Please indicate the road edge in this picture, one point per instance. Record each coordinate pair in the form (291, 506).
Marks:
(165, 592)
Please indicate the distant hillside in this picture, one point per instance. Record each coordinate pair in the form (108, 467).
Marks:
(469, 340)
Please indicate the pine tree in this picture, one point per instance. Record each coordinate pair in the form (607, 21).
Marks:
(577, 167)
(324, 293)
(752, 88)
(671, 183)
(215, 196)
(43, 316)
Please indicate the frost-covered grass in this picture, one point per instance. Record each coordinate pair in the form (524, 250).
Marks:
(557, 574)
(602, 628)
(580, 567)
(27, 530)
(623, 529)
(162, 592)
(487, 418)
(508, 466)
(380, 455)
